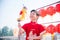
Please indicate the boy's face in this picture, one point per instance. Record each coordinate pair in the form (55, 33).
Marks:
(33, 16)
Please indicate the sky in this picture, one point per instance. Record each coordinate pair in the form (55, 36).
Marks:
(9, 11)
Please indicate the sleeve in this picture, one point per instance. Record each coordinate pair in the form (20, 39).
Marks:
(41, 28)
(24, 27)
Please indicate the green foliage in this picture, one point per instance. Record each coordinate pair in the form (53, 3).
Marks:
(6, 32)
(0, 33)
(10, 33)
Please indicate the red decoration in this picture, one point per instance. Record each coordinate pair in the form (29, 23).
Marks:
(51, 10)
(58, 7)
(42, 12)
(50, 29)
(58, 28)
(20, 12)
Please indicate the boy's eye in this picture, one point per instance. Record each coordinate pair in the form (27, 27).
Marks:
(33, 13)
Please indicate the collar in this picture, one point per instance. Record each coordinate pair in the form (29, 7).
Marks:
(33, 23)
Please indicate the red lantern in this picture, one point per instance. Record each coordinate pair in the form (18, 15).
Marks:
(50, 29)
(43, 12)
(58, 28)
(58, 7)
(51, 10)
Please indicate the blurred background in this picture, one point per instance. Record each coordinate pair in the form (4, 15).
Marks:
(10, 11)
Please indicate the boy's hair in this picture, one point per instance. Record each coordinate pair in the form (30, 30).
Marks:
(35, 12)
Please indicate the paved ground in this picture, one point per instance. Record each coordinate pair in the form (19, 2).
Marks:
(11, 38)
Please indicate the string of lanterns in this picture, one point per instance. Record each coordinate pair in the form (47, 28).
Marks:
(51, 28)
(51, 10)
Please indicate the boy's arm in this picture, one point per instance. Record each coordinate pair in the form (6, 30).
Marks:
(41, 34)
(21, 30)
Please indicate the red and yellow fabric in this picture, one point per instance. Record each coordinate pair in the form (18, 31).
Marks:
(22, 14)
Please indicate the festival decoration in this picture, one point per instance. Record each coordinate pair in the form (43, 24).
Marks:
(58, 28)
(42, 12)
(22, 14)
(51, 10)
(50, 29)
(58, 7)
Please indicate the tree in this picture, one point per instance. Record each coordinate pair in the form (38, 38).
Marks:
(0, 33)
(10, 33)
(5, 31)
